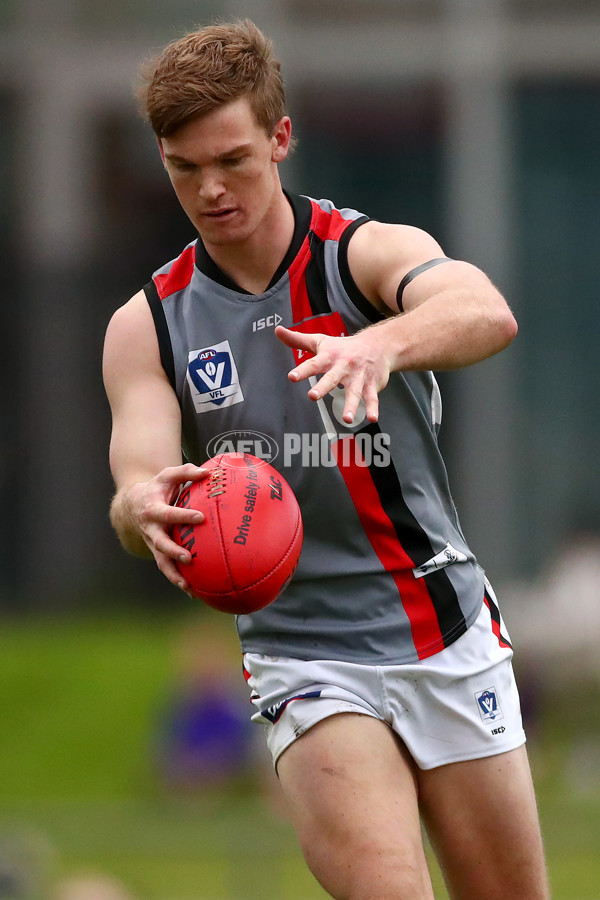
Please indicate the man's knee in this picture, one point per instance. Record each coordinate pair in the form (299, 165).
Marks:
(369, 870)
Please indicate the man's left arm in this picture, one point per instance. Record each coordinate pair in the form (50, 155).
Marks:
(445, 316)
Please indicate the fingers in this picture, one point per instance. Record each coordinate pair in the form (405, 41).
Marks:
(157, 516)
(147, 508)
(327, 383)
(157, 536)
(175, 515)
(168, 568)
(353, 398)
(357, 388)
(168, 484)
(369, 395)
(176, 475)
(371, 399)
(167, 554)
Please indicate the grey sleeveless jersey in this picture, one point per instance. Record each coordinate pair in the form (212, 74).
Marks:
(385, 574)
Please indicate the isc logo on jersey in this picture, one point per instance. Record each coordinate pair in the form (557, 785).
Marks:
(213, 378)
(267, 322)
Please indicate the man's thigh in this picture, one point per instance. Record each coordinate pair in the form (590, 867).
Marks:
(461, 703)
(482, 819)
(353, 800)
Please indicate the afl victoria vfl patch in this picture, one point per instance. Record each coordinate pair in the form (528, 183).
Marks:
(213, 378)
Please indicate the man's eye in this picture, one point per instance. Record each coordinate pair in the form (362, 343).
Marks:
(233, 161)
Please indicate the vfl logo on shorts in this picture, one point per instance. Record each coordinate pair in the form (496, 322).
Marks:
(489, 708)
(212, 377)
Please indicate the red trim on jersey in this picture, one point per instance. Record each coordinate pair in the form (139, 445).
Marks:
(301, 308)
(329, 226)
(495, 615)
(380, 530)
(326, 226)
(179, 275)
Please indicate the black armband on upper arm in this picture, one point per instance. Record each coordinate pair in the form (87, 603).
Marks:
(413, 274)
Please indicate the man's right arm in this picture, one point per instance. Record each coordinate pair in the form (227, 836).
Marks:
(145, 447)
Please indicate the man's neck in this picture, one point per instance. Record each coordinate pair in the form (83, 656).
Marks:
(252, 264)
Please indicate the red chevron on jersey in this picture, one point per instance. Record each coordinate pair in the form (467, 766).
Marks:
(380, 530)
(301, 307)
(329, 226)
(325, 226)
(179, 275)
(328, 323)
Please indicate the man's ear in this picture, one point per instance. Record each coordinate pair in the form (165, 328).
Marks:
(160, 149)
(282, 136)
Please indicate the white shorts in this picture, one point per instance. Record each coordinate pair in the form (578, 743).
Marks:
(462, 703)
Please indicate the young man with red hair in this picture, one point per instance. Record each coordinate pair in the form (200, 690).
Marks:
(382, 674)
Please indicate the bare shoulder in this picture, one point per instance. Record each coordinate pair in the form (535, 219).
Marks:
(146, 419)
(131, 335)
(131, 318)
(406, 240)
(381, 254)
(131, 351)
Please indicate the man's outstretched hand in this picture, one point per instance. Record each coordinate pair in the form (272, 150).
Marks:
(359, 363)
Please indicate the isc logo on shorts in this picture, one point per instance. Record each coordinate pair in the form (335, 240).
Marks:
(212, 377)
(489, 707)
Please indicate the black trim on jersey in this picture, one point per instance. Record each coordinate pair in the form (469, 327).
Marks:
(413, 274)
(315, 277)
(418, 546)
(302, 209)
(495, 614)
(357, 297)
(162, 331)
(208, 267)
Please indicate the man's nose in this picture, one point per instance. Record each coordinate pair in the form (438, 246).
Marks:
(211, 186)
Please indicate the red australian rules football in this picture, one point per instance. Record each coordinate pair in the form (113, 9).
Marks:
(247, 548)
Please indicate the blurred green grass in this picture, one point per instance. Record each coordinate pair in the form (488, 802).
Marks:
(78, 793)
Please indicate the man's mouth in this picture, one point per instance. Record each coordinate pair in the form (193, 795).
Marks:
(220, 213)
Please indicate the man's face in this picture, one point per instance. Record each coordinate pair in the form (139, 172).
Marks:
(223, 167)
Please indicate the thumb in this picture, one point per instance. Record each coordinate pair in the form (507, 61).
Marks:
(297, 340)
